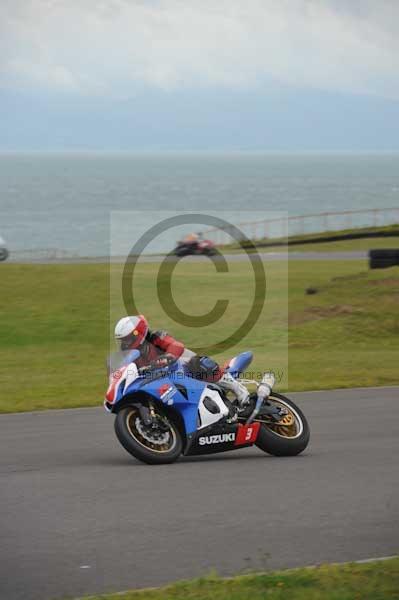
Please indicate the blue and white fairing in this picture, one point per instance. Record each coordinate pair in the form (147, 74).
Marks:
(239, 363)
(200, 405)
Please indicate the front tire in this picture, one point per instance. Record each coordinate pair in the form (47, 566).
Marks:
(181, 252)
(142, 443)
(284, 440)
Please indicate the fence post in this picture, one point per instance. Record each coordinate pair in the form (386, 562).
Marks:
(302, 225)
(349, 220)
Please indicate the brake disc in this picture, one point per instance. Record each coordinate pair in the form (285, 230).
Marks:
(159, 440)
(287, 420)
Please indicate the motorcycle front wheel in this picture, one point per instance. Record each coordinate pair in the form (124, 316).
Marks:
(158, 444)
(287, 437)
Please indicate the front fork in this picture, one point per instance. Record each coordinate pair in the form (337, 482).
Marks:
(147, 413)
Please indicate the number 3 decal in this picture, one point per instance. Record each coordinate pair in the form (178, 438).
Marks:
(248, 434)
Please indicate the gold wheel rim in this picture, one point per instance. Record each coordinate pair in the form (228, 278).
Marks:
(138, 437)
(288, 426)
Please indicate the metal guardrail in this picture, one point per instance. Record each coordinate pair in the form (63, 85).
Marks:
(42, 254)
(264, 229)
(307, 224)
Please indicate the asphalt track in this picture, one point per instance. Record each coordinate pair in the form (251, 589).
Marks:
(239, 257)
(79, 515)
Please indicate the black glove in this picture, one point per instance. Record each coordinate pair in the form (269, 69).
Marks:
(164, 360)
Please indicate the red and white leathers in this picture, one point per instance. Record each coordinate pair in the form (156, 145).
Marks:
(157, 343)
(133, 332)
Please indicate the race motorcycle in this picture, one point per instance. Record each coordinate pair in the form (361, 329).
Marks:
(205, 247)
(163, 412)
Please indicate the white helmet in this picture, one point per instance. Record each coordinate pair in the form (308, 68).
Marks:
(130, 332)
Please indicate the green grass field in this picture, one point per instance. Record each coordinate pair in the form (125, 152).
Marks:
(329, 246)
(55, 324)
(370, 581)
(363, 244)
(347, 245)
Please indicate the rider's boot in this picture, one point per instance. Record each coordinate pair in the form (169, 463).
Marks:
(227, 382)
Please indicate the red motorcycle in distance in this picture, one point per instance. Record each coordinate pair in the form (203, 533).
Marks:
(194, 244)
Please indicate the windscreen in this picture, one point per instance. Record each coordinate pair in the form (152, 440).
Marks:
(117, 360)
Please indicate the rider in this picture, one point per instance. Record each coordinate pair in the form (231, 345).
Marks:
(157, 347)
(191, 238)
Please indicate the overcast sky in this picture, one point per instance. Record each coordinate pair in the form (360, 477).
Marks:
(130, 64)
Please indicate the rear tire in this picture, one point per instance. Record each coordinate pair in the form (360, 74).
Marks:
(382, 263)
(280, 445)
(129, 437)
(383, 258)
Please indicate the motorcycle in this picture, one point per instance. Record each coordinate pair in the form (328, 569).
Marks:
(204, 247)
(163, 412)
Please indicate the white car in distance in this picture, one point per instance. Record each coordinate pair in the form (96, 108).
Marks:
(3, 249)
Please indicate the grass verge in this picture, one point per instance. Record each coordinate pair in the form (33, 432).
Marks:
(55, 325)
(326, 242)
(361, 244)
(377, 580)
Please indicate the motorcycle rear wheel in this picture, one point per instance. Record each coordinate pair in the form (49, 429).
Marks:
(147, 446)
(288, 438)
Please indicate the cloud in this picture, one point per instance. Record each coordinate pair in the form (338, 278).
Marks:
(114, 47)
